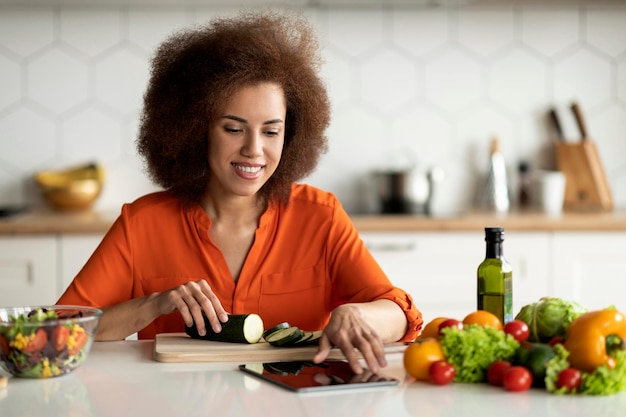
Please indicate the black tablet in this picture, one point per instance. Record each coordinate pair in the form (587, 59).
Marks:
(306, 376)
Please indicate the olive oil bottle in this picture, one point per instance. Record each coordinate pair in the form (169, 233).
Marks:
(495, 278)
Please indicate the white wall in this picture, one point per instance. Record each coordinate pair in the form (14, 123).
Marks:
(436, 83)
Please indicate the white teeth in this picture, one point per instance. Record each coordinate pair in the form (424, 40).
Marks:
(248, 170)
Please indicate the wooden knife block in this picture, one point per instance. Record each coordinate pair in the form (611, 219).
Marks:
(586, 188)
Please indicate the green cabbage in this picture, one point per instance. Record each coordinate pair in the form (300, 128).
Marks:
(549, 317)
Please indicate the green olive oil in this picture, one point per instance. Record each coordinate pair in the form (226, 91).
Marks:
(495, 278)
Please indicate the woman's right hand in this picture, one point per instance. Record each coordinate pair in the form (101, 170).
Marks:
(191, 300)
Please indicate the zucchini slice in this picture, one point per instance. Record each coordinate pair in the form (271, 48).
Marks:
(286, 336)
(302, 341)
(310, 338)
(283, 325)
(240, 328)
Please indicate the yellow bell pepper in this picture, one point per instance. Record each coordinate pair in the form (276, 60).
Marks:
(586, 338)
(420, 355)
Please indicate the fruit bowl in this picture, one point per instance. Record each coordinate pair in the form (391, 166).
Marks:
(46, 341)
(71, 189)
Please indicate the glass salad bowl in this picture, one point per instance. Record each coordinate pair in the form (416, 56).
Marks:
(46, 341)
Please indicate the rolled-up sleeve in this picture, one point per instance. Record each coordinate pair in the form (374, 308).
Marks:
(357, 277)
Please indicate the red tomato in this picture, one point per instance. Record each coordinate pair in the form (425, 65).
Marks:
(4, 346)
(450, 323)
(518, 329)
(37, 343)
(81, 340)
(569, 378)
(496, 371)
(556, 340)
(517, 378)
(59, 337)
(441, 372)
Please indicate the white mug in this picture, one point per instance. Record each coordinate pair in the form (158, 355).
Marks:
(550, 191)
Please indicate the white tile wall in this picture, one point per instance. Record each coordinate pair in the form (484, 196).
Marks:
(428, 84)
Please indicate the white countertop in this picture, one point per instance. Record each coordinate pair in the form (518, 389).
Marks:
(121, 379)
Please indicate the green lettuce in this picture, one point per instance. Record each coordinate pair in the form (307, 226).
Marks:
(472, 350)
(602, 381)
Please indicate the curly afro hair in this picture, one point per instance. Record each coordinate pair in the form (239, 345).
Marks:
(195, 71)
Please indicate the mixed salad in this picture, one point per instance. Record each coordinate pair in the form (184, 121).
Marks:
(31, 347)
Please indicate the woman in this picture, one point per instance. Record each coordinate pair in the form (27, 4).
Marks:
(234, 115)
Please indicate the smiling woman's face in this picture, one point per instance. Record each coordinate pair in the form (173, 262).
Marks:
(246, 140)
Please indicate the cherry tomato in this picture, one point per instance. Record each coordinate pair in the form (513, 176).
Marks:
(450, 323)
(59, 337)
(556, 340)
(517, 378)
(496, 371)
(518, 329)
(4, 346)
(569, 378)
(442, 372)
(38, 342)
(80, 339)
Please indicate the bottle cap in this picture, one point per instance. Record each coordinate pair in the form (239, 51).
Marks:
(494, 234)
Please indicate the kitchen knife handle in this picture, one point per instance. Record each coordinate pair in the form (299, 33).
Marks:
(580, 121)
(554, 117)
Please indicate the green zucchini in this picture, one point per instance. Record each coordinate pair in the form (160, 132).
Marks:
(283, 325)
(302, 340)
(310, 338)
(240, 328)
(314, 340)
(285, 337)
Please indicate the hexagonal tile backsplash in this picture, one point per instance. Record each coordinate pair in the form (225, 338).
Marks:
(425, 85)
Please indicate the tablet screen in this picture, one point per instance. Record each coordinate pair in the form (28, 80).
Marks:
(306, 376)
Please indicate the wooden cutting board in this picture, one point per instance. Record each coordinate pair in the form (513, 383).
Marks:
(178, 347)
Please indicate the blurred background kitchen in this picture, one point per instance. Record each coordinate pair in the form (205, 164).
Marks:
(422, 82)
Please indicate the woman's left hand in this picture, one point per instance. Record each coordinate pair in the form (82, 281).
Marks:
(348, 331)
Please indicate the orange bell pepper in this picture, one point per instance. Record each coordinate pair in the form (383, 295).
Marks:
(587, 335)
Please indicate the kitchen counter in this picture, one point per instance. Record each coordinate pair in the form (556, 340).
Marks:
(53, 222)
(121, 379)
(50, 222)
(476, 220)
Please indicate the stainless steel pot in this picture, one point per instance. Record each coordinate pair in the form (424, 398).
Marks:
(407, 191)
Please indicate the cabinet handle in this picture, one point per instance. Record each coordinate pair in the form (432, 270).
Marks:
(30, 276)
(392, 247)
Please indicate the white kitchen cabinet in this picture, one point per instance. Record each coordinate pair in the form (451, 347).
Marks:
(529, 254)
(590, 267)
(35, 270)
(28, 270)
(439, 269)
(75, 250)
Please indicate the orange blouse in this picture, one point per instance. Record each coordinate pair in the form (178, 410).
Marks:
(307, 258)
